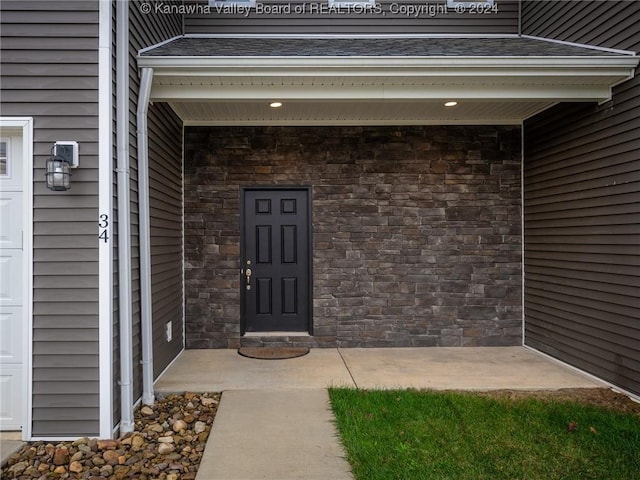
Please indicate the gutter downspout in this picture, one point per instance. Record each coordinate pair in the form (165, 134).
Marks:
(124, 217)
(146, 306)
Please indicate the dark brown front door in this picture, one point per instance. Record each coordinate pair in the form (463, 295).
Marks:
(276, 253)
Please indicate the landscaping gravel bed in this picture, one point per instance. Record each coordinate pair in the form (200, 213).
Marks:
(167, 444)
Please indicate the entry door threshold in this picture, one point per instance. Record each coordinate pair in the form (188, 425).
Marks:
(276, 334)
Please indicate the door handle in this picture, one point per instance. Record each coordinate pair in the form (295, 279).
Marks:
(248, 274)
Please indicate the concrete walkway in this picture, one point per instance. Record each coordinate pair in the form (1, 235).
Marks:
(269, 434)
(274, 419)
(9, 442)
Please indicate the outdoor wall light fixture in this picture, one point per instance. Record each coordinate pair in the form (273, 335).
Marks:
(275, 104)
(64, 156)
(450, 104)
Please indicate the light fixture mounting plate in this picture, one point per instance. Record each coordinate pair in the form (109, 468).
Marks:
(67, 150)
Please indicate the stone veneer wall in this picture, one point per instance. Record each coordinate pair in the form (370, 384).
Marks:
(416, 231)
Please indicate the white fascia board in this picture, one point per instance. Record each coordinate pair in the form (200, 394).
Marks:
(586, 78)
(562, 78)
(211, 65)
(460, 91)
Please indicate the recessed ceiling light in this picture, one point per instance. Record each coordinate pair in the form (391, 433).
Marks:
(450, 104)
(275, 104)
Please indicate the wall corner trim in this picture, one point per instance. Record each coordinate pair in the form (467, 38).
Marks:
(105, 216)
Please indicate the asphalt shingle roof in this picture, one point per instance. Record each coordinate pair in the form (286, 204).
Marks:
(367, 46)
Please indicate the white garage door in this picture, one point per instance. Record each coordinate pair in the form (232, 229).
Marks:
(12, 278)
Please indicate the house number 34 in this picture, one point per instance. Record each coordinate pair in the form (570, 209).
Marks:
(103, 225)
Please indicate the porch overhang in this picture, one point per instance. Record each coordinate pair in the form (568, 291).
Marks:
(236, 89)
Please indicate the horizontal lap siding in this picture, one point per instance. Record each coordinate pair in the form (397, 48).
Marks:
(582, 215)
(115, 334)
(50, 72)
(146, 30)
(165, 192)
(385, 21)
(611, 24)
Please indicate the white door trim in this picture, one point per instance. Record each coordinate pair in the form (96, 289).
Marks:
(26, 124)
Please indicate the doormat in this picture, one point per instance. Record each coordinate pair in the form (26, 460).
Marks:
(273, 353)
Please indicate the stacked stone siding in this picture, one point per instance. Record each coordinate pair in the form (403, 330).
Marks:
(416, 231)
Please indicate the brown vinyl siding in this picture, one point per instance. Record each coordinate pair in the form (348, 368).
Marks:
(144, 31)
(582, 215)
(115, 333)
(165, 193)
(611, 24)
(505, 21)
(50, 72)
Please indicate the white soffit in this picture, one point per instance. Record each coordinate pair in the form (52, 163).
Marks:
(355, 113)
(375, 90)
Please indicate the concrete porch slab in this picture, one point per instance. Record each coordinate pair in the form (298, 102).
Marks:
(482, 368)
(454, 368)
(221, 370)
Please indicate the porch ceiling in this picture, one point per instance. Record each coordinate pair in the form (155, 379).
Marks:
(298, 112)
(357, 81)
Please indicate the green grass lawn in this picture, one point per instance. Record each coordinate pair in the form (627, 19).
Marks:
(429, 435)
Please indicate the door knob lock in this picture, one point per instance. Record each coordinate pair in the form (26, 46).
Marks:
(248, 274)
